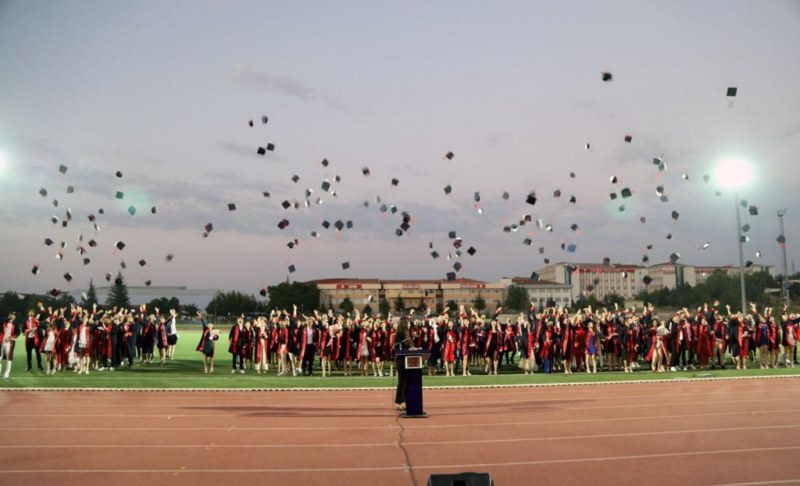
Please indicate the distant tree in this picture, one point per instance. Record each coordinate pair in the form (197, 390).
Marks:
(516, 299)
(91, 296)
(452, 307)
(367, 310)
(285, 295)
(118, 296)
(323, 309)
(164, 304)
(422, 308)
(384, 308)
(347, 305)
(439, 307)
(612, 299)
(399, 304)
(479, 304)
(190, 310)
(233, 303)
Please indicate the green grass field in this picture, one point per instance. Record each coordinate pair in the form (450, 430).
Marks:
(186, 371)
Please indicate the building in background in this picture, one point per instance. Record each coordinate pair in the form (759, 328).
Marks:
(543, 293)
(671, 275)
(596, 279)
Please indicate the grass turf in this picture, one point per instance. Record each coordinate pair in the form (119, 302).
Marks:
(186, 371)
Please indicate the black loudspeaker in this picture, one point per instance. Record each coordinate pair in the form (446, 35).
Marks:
(461, 479)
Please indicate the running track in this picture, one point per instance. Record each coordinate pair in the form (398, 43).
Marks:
(685, 433)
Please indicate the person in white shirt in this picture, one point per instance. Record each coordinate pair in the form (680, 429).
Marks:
(8, 335)
(172, 334)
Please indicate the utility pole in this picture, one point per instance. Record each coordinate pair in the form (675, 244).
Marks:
(785, 282)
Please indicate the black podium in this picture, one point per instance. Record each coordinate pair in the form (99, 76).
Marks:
(415, 360)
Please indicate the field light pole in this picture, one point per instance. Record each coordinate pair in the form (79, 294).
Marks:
(734, 174)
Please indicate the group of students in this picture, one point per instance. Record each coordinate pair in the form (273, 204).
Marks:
(550, 340)
(85, 339)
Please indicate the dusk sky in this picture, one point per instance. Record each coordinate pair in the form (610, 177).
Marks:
(163, 92)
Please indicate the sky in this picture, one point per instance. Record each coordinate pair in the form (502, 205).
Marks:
(163, 92)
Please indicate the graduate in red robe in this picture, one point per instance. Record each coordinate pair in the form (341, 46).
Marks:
(450, 343)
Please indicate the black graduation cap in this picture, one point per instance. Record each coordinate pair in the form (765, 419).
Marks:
(142, 263)
(645, 258)
(118, 281)
(263, 292)
(746, 227)
(477, 196)
(266, 194)
(250, 123)
(506, 229)
(457, 266)
(535, 276)
(628, 138)
(68, 277)
(231, 207)
(264, 119)
(324, 162)
(43, 192)
(527, 241)
(572, 247)
(451, 235)
(613, 179)
(607, 76)
(55, 292)
(449, 155)
(286, 204)
(48, 241)
(573, 199)
(349, 224)
(549, 228)
(625, 193)
(271, 147)
(448, 189)
(457, 243)
(753, 211)
(669, 236)
(339, 225)
(731, 91)
(674, 257)
(55, 203)
(395, 182)
(290, 245)
(120, 245)
(70, 189)
(337, 178)
(643, 219)
(261, 151)
(131, 210)
(148, 282)
(86, 261)
(574, 227)
(365, 171)
(612, 195)
(283, 223)
(606, 261)
(101, 211)
(647, 279)
(35, 270)
(108, 276)
(506, 195)
(471, 250)
(120, 194)
(63, 168)
(748, 264)
(118, 174)
(435, 254)
(572, 175)
(153, 210)
(557, 193)
(169, 257)
(451, 276)
(398, 232)
(208, 227)
(781, 239)
(675, 215)
(59, 256)
(546, 261)
(326, 185)
(531, 199)
(326, 224)
(345, 265)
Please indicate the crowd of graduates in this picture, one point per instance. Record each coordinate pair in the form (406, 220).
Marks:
(543, 340)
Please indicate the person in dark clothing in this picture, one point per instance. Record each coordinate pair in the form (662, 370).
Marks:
(402, 340)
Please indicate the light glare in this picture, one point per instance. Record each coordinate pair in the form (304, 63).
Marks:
(733, 173)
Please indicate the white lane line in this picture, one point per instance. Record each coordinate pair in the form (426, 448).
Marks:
(394, 443)
(718, 402)
(393, 427)
(471, 466)
(759, 483)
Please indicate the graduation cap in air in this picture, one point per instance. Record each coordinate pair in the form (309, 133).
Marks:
(271, 147)
(572, 175)
(119, 245)
(685, 176)
(131, 210)
(449, 155)
(706, 178)
(647, 279)
(448, 189)
(101, 211)
(337, 178)
(365, 171)
(68, 277)
(59, 256)
(349, 224)
(324, 162)
(261, 151)
(477, 196)
(264, 119)
(471, 250)
(549, 228)
(506, 195)
(339, 225)
(345, 265)
(266, 194)
(70, 189)
(753, 211)
(208, 227)
(153, 210)
(43, 192)
(451, 276)
(613, 195)
(613, 179)
(55, 292)
(781, 239)
(435, 254)
(669, 236)
(748, 264)
(326, 185)
(108, 276)
(628, 139)
(148, 282)
(63, 168)
(398, 232)
(531, 199)
(142, 263)
(645, 258)
(457, 266)
(573, 199)
(326, 224)
(35, 270)
(395, 182)
(263, 292)
(744, 239)
(55, 203)
(118, 281)
(746, 227)
(674, 257)
(731, 91)
(119, 195)
(626, 193)
(705, 246)
(588, 146)
(650, 247)
(572, 247)
(451, 235)
(86, 261)
(250, 123)
(643, 219)
(675, 215)
(557, 193)
(574, 227)
(758, 253)
(527, 241)
(286, 204)
(283, 223)
(606, 261)
(231, 207)
(48, 241)
(607, 76)
(169, 257)
(54, 219)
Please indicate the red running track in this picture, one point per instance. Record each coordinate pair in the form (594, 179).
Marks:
(686, 433)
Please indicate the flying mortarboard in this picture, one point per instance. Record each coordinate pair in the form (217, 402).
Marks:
(264, 119)
(531, 199)
(643, 219)
(292, 269)
(35, 270)
(477, 196)
(68, 277)
(628, 138)
(457, 266)
(753, 211)
(326, 224)
(48, 241)
(43, 192)
(250, 123)
(63, 168)
(271, 147)
(70, 189)
(572, 247)
(365, 171)
(574, 227)
(607, 76)
(435, 254)
(674, 257)
(471, 250)
(339, 225)
(613, 179)
(645, 259)
(449, 155)
(748, 264)
(263, 292)
(86, 261)
(451, 276)
(169, 257)
(557, 193)
(705, 246)
(573, 199)
(731, 91)
(326, 185)
(55, 292)
(746, 227)
(675, 215)
(261, 151)
(572, 175)
(345, 265)
(613, 195)
(208, 227)
(395, 182)
(283, 223)
(506, 195)
(448, 189)
(120, 194)
(527, 241)
(324, 162)
(781, 239)
(142, 263)
(625, 193)
(231, 207)
(55, 203)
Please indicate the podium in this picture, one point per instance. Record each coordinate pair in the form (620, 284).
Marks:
(413, 361)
